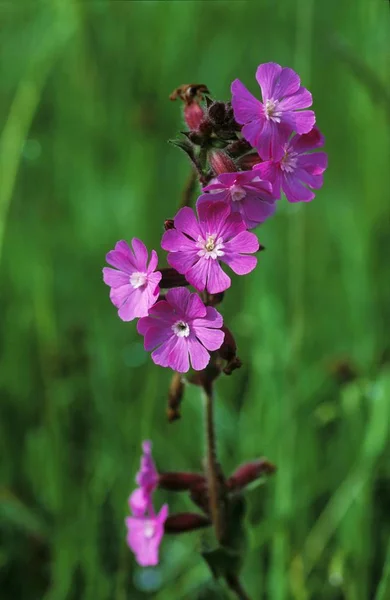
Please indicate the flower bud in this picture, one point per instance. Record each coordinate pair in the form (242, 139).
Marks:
(228, 351)
(249, 472)
(169, 224)
(184, 522)
(171, 278)
(180, 481)
(193, 115)
(248, 161)
(221, 163)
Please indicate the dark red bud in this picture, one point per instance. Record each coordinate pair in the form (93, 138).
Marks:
(179, 482)
(175, 397)
(169, 224)
(184, 522)
(214, 299)
(238, 148)
(229, 347)
(221, 163)
(171, 278)
(249, 472)
(248, 161)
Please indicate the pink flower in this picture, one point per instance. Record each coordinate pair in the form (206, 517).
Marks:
(299, 171)
(245, 192)
(144, 535)
(134, 286)
(197, 248)
(180, 329)
(265, 122)
(147, 478)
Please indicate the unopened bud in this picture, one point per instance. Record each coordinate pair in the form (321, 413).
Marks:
(179, 482)
(221, 163)
(175, 396)
(217, 113)
(171, 278)
(249, 472)
(229, 347)
(184, 522)
(193, 115)
(248, 161)
(238, 148)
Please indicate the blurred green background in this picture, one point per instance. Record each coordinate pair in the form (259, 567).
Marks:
(85, 118)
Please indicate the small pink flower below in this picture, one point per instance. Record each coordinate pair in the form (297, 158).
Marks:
(145, 529)
(134, 283)
(144, 535)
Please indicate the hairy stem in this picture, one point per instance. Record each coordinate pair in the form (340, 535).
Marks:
(214, 474)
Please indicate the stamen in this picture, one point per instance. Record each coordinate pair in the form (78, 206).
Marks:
(138, 279)
(270, 110)
(181, 329)
(210, 247)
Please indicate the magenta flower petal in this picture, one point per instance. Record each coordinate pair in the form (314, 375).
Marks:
(295, 191)
(139, 502)
(301, 99)
(217, 280)
(115, 278)
(140, 254)
(173, 239)
(134, 286)
(244, 242)
(172, 326)
(198, 354)
(267, 75)
(212, 319)
(246, 106)
(241, 265)
(185, 221)
(198, 274)
(145, 535)
(153, 262)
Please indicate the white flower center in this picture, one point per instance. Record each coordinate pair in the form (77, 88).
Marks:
(210, 247)
(237, 193)
(149, 530)
(181, 329)
(289, 161)
(270, 110)
(138, 279)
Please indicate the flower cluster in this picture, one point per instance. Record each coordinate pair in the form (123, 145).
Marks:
(244, 153)
(276, 139)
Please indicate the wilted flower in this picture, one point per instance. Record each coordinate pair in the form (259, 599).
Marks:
(245, 192)
(300, 170)
(134, 283)
(181, 329)
(265, 123)
(144, 535)
(147, 479)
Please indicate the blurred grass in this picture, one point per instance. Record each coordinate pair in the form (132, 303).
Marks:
(84, 120)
